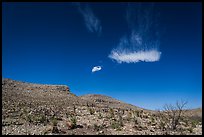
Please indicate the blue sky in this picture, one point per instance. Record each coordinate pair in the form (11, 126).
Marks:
(145, 54)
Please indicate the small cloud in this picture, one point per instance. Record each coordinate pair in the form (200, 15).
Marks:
(93, 24)
(96, 68)
(136, 56)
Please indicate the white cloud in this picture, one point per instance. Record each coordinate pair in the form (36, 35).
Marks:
(135, 56)
(92, 22)
(96, 68)
(133, 49)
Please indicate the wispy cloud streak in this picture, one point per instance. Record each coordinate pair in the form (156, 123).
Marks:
(92, 23)
(142, 43)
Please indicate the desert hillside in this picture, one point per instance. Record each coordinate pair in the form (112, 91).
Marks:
(106, 101)
(29, 108)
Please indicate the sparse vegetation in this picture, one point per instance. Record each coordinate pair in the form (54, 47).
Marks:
(98, 127)
(92, 111)
(29, 118)
(129, 116)
(120, 120)
(71, 115)
(152, 120)
(116, 125)
(99, 116)
(42, 119)
(137, 113)
(111, 113)
(73, 122)
(194, 123)
(190, 129)
(54, 122)
(135, 120)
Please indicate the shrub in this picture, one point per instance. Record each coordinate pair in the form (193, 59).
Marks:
(152, 120)
(137, 113)
(190, 130)
(129, 117)
(29, 118)
(120, 120)
(54, 122)
(100, 116)
(135, 120)
(194, 123)
(92, 111)
(116, 125)
(42, 119)
(111, 113)
(162, 126)
(97, 127)
(73, 121)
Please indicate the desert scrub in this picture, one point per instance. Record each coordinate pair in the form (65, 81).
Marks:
(137, 113)
(41, 119)
(120, 121)
(73, 122)
(35, 119)
(135, 120)
(91, 111)
(54, 122)
(194, 123)
(162, 125)
(29, 118)
(129, 116)
(116, 125)
(25, 115)
(98, 127)
(100, 116)
(152, 119)
(141, 113)
(111, 113)
(190, 129)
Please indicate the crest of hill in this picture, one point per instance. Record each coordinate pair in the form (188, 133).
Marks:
(106, 101)
(29, 87)
(18, 91)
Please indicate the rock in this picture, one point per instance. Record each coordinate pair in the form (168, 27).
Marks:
(69, 125)
(63, 131)
(55, 129)
(152, 130)
(100, 132)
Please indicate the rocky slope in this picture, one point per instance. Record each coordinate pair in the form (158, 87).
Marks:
(106, 101)
(52, 109)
